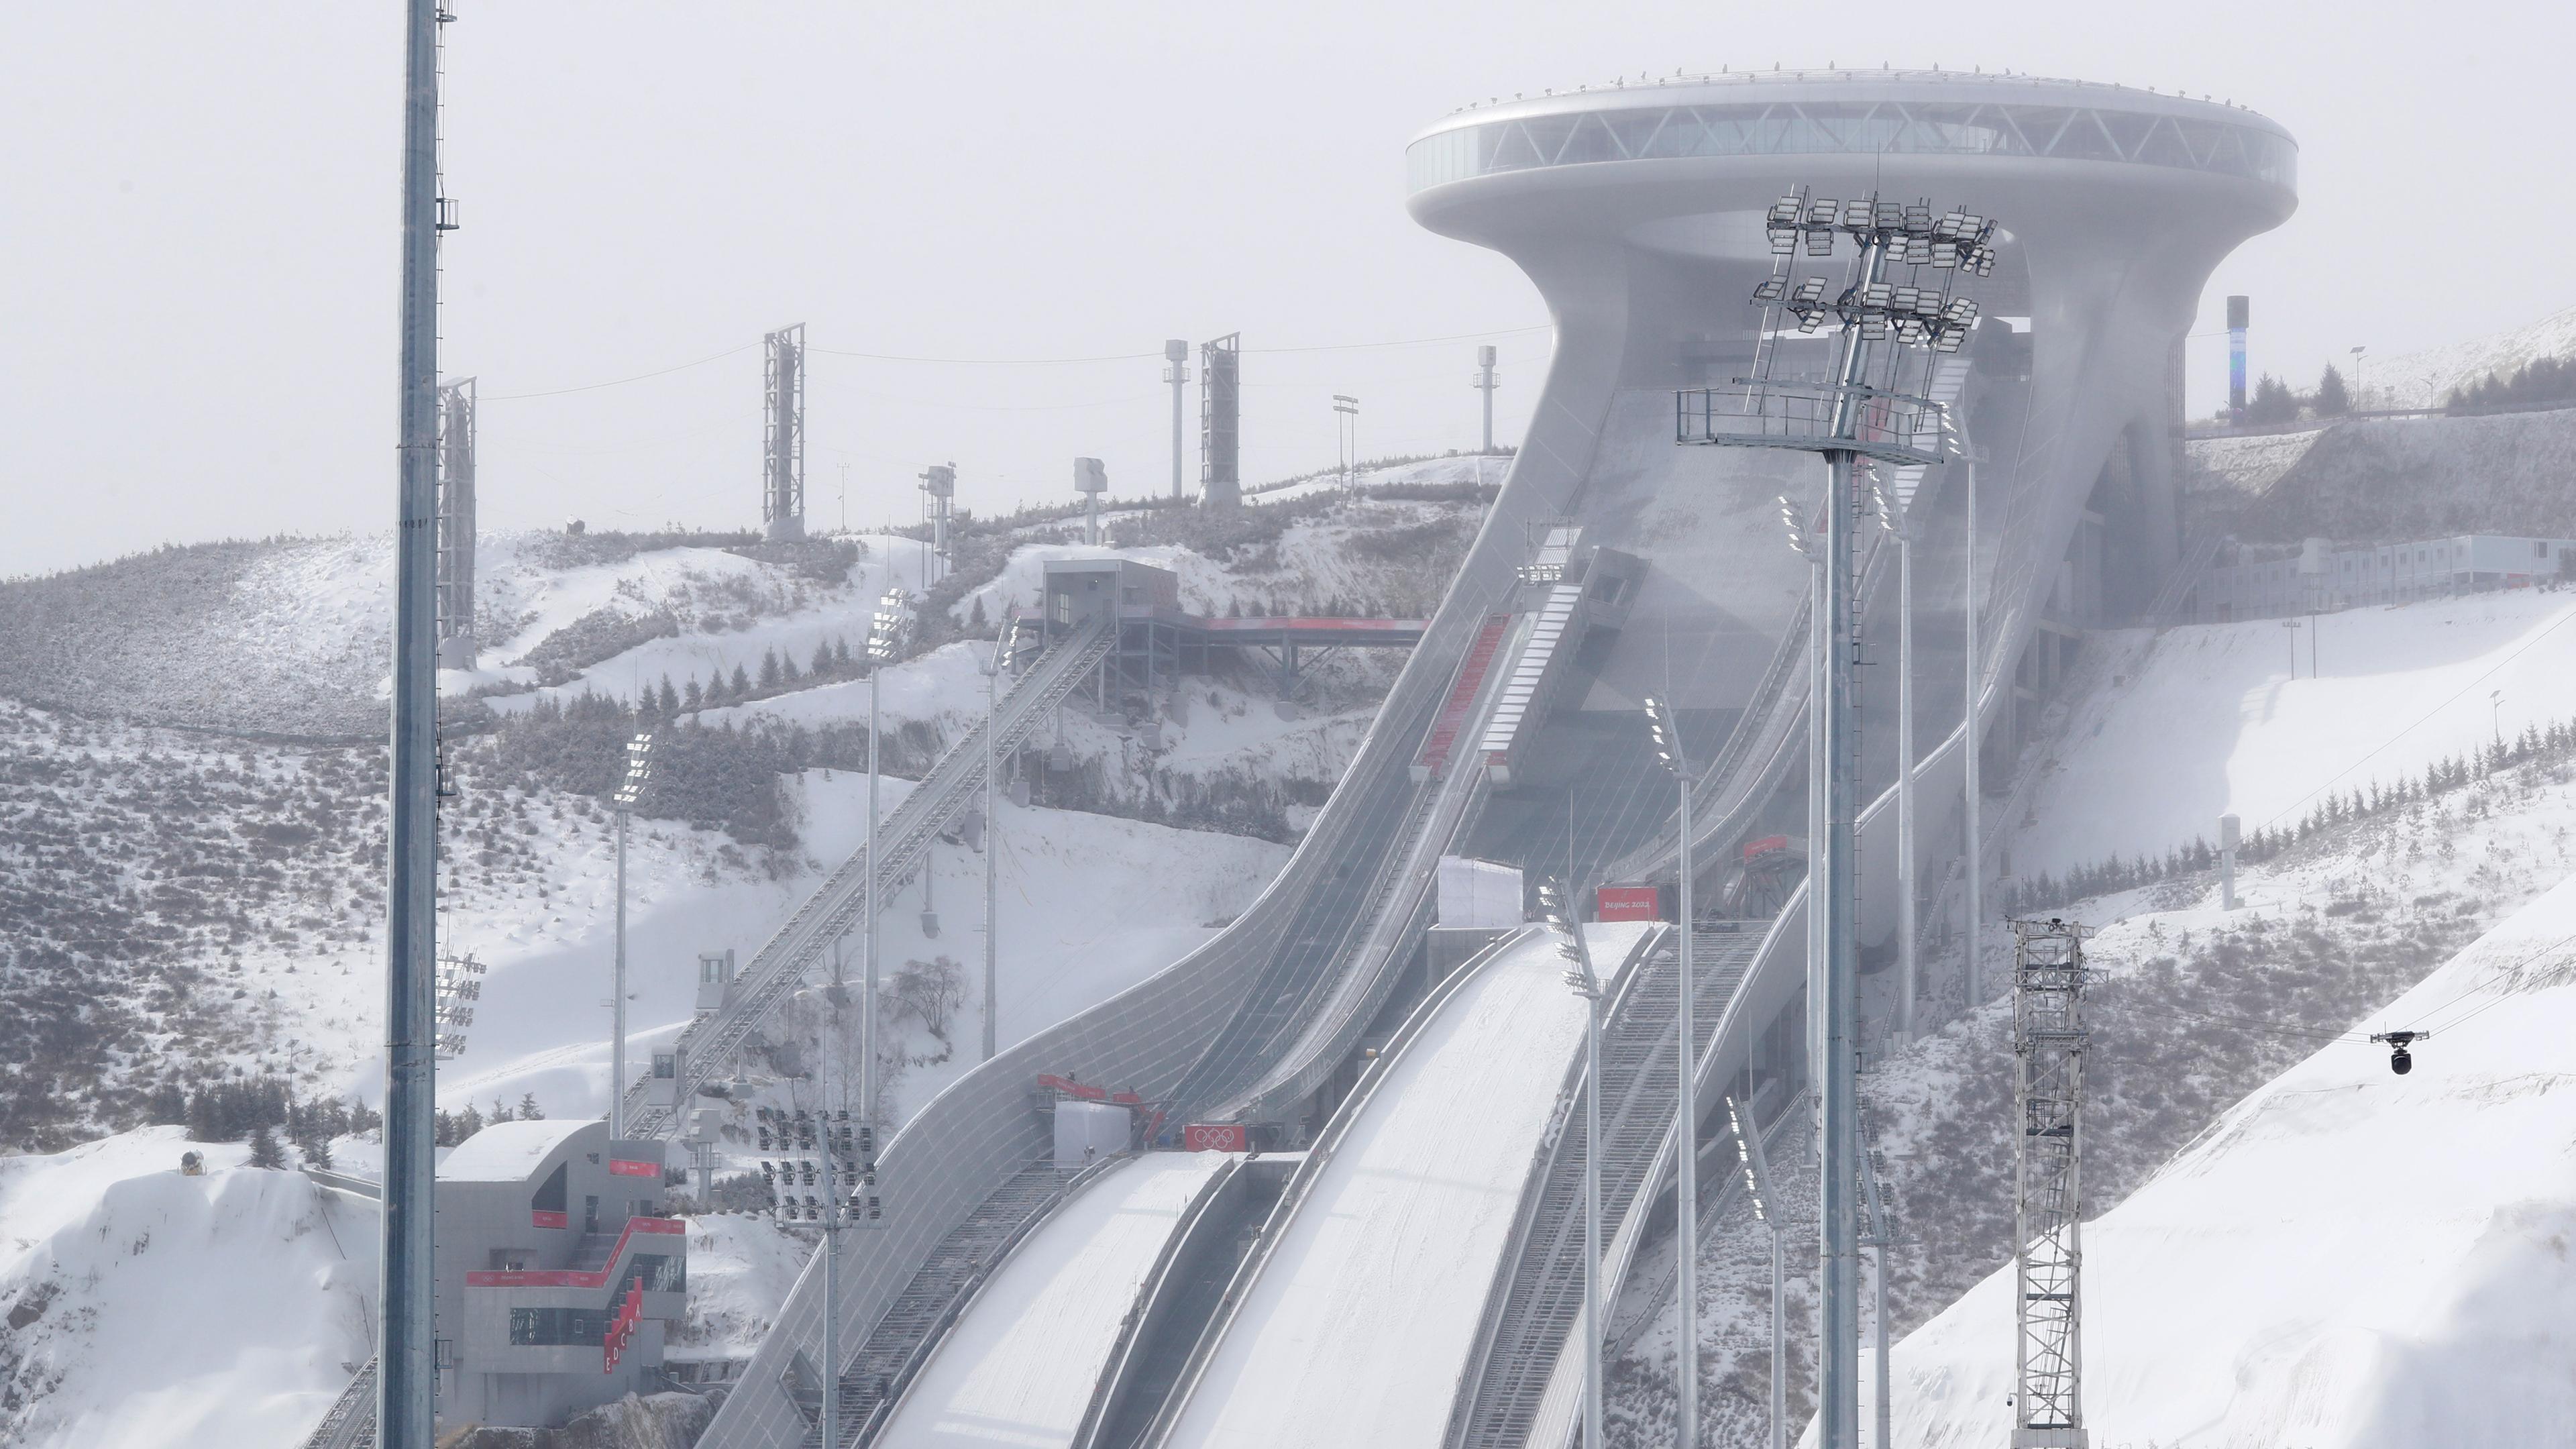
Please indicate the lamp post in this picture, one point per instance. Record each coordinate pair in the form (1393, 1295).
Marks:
(992, 840)
(1899, 291)
(888, 632)
(1346, 436)
(2357, 403)
(1757, 1183)
(1666, 729)
(1891, 516)
(639, 770)
(1579, 975)
(1176, 371)
(2495, 716)
(1485, 382)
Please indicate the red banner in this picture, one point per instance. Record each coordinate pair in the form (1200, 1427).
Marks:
(1764, 846)
(1625, 903)
(620, 1167)
(1216, 1137)
(544, 1219)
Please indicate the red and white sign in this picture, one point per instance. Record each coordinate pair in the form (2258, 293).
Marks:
(539, 1217)
(1625, 903)
(620, 1167)
(1754, 849)
(1216, 1137)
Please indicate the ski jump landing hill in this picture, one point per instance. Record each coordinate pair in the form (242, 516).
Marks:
(1636, 211)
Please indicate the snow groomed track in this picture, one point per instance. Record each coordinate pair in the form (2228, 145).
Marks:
(1021, 1364)
(1355, 1325)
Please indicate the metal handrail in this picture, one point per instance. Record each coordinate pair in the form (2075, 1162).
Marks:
(1119, 1367)
(963, 1300)
(774, 972)
(1569, 1096)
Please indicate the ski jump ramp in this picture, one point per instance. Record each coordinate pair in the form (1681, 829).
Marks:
(1635, 211)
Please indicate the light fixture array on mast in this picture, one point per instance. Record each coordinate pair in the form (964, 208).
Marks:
(1895, 309)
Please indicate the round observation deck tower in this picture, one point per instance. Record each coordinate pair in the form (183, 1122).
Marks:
(1637, 207)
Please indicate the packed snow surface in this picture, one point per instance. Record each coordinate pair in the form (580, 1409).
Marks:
(1020, 1366)
(2348, 1259)
(146, 1309)
(1355, 1331)
(2192, 723)
(2253, 464)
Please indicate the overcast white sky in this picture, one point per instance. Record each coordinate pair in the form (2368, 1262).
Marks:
(201, 250)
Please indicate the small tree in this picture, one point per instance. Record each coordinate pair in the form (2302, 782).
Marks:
(769, 669)
(741, 682)
(264, 1151)
(2272, 402)
(2332, 400)
(528, 1108)
(317, 1153)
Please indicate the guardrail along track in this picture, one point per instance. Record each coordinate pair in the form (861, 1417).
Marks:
(1536, 1304)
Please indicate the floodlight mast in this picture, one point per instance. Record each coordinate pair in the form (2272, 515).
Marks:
(887, 633)
(1845, 419)
(406, 1384)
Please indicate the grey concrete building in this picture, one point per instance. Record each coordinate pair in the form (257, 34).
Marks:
(556, 1272)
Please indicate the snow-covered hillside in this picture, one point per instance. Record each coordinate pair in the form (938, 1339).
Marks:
(2348, 1258)
(2163, 731)
(146, 1309)
(2197, 1006)
(2426, 378)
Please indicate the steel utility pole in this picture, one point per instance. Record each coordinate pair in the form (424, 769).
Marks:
(1972, 973)
(1485, 382)
(1881, 1238)
(887, 632)
(1176, 371)
(406, 1380)
(639, 769)
(1859, 412)
(1766, 1209)
(2048, 1184)
(1892, 513)
(1838, 1245)
(992, 846)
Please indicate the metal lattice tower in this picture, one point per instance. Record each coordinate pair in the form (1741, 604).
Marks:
(456, 647)
(1221, 421)
(2048, 1168)
(782, 494)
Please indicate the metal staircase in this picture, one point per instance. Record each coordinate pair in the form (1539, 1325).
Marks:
(351, 1424)
(1536, 1304)
(710, 1047)
(929, 1303)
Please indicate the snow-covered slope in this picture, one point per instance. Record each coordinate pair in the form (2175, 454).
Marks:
(2168, 730)
(146, 1309)
(2426, 378)
(2388, 480)
(2248, 466)
(2349, 1258)
(1357, 1326)
(1020, 1368)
